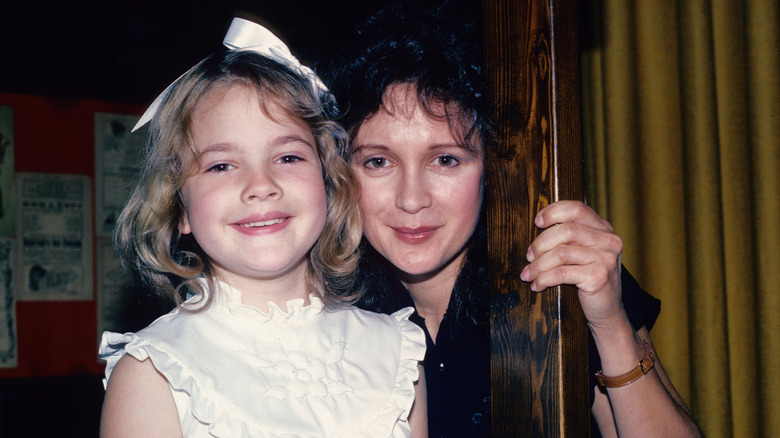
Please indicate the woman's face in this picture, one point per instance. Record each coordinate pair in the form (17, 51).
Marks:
(421, 190)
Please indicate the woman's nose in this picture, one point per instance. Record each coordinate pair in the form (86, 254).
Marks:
(413, 192)
(260, 184)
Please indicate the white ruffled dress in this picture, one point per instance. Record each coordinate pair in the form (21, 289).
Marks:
(309, 371)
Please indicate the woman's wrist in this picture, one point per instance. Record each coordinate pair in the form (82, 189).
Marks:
(620, 347)
(643, 367)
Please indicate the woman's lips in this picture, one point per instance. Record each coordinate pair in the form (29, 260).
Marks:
(414, 236)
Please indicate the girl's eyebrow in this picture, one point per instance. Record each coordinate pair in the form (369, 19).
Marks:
(217, 147)
(294, 138)
(277, 141)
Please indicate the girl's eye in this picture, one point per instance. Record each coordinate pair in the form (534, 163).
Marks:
(376, 162)
(221, 167)
(289, 159)
(446, 161)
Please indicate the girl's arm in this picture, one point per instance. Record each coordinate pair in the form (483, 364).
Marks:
(418, 417)
(138, 402)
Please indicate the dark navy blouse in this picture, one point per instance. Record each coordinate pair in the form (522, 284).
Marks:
(457, 365)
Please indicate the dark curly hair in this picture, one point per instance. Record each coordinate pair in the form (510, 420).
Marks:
(436, 49)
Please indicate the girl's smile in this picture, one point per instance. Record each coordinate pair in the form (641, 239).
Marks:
(259, 224)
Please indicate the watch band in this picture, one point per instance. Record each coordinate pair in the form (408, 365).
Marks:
(645, 365)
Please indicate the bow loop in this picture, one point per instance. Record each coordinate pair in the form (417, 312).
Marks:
(245, 35)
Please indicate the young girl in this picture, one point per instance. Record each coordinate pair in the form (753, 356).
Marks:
(245, 210)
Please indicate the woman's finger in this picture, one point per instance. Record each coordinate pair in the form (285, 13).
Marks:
(574, 234)
(570, 211)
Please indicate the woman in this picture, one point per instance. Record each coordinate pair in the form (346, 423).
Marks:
(417, 112)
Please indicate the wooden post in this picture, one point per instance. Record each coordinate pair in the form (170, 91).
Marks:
(538, 341)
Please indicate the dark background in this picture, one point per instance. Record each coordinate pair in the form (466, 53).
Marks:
(127, 51)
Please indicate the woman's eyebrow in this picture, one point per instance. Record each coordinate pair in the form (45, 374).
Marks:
(446, 146)
(433, 147)
(372, 146)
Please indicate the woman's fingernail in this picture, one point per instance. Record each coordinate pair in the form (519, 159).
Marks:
(529, 255)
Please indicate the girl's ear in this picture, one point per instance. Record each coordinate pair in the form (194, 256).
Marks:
(184, 223)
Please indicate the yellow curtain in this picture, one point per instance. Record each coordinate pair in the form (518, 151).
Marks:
(682, 140)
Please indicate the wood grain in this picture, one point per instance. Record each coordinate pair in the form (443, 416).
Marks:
(538, 340)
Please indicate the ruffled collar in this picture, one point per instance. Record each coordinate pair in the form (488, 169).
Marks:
(229, 299)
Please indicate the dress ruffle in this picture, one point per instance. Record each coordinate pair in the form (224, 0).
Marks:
(230, 298)
(400, 403)
(222, 421)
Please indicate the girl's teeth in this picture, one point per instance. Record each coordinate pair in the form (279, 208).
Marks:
(262, 224)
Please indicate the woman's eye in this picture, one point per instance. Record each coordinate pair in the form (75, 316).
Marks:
(221, 167)
(376, 162)
(446, 161)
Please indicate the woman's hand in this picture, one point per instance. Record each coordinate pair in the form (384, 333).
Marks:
(578, 247)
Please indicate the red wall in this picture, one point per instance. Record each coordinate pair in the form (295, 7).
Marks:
(57, 338)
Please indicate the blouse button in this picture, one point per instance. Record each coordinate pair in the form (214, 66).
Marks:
(441, 366)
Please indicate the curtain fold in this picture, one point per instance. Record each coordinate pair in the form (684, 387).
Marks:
(682, 143)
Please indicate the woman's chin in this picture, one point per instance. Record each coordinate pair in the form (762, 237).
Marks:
(416, 270)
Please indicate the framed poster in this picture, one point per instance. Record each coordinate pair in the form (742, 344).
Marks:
(8, 353)
(117, 155)
(54, 237)
(6, 170)
(113, 282)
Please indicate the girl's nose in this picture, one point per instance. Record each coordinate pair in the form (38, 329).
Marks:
(260, 184)
(413, 192)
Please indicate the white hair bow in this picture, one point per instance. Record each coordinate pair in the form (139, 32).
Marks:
(246, 35)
